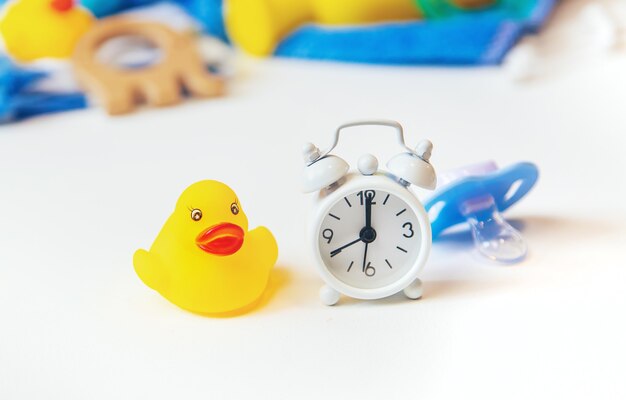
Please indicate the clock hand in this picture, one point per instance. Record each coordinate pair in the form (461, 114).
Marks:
(365, 256)
(368, 211)
(337, 251)
(368, 234)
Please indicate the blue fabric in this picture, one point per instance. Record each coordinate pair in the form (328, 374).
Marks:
(451, 38)
(18, 101)
(473, 38)
(104, 8)
(207, 12)
(210, 14)
(463, 38)
(101, 8)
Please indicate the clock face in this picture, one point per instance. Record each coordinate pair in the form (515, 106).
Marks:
(369, 238)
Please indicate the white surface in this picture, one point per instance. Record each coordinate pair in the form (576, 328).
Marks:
(81, 192)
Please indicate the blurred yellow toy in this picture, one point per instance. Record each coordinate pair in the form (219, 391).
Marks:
(204, 259)
(258, 25)
(35, 29)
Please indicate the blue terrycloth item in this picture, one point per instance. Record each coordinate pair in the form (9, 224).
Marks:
(468, 38)
(473, 38)
(207, 12)
(104, 8)
(18, 101)
(460, 38)
(210, 14)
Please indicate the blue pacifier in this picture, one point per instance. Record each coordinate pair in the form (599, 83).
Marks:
(478, 194)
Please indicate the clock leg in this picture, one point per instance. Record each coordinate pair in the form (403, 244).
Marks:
(414, 290)
(328, 295)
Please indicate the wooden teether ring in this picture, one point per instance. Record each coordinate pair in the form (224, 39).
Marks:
(119, 89)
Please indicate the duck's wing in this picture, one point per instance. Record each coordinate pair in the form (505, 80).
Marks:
(264, 245)
(149, 269)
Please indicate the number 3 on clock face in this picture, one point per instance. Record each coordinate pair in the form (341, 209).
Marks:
(369, 238)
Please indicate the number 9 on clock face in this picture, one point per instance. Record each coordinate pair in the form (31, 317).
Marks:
(369, 239)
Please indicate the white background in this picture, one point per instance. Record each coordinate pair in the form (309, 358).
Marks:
(80, 192)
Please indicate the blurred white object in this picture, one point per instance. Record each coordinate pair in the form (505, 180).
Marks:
(521, 62)
(165, 13)
(603, 29)
(215, 52)
(580, 33)
(131, 50)
(60, 78)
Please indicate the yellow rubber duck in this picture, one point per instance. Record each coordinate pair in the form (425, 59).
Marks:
(34, 29)
(204, 259)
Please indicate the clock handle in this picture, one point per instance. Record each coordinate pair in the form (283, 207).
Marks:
(323, 169)
(375, 122)
(410, 166)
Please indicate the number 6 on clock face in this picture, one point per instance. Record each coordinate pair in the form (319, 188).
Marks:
(370, 238)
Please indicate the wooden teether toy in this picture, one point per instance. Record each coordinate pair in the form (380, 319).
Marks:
(118, 89)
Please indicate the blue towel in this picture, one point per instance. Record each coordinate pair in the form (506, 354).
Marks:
(449, 38)
(19, 101)
(460, 38)
(473, 38)
(210, 14)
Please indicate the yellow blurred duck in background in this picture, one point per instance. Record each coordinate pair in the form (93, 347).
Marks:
(34, 29)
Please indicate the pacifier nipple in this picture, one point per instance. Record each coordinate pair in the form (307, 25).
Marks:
(493, 236)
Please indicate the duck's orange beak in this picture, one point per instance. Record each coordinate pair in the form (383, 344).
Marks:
(222, 239)
(62, 5)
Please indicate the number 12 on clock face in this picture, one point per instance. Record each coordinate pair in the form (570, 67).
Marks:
(369, 238)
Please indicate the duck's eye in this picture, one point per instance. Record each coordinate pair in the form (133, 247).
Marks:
(234, 208)
(196, 214)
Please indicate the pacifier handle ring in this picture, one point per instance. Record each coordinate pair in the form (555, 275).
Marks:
(375, 122)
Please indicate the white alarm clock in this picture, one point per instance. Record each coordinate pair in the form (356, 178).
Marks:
(371, 235)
